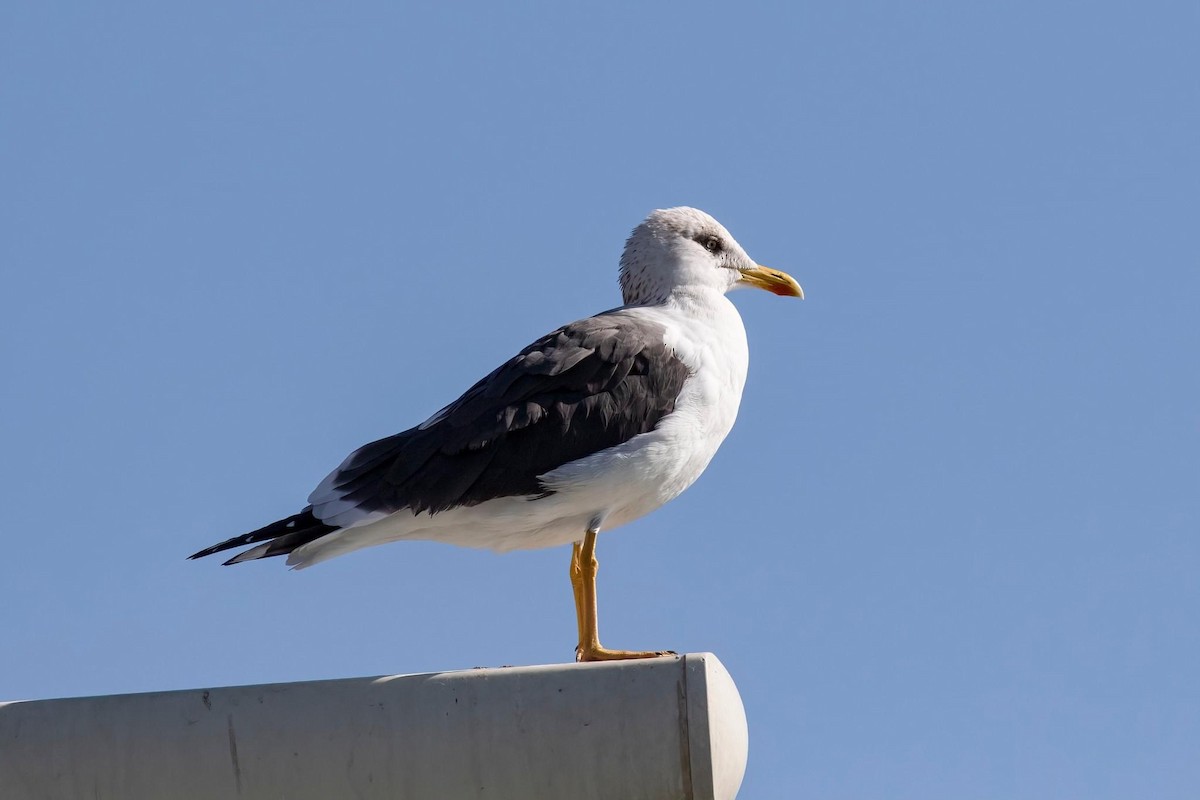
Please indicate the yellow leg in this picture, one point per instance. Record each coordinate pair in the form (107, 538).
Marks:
(584, 565)
(577, 588)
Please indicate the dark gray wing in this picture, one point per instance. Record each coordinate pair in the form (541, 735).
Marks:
(585, 387)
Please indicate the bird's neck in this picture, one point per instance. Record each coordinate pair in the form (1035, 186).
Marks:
(699, 301)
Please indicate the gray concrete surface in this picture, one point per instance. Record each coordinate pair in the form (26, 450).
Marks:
(633, 730)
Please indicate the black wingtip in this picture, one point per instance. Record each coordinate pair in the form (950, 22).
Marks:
(286, 534)
(236, 541)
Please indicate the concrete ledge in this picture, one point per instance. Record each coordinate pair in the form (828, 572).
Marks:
(634, 730)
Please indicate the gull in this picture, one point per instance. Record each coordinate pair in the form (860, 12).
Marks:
(590, 427)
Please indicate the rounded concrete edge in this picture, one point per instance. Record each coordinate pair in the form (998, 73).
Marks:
(719, 738)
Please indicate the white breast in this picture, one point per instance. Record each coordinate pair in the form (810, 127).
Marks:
(635, 478)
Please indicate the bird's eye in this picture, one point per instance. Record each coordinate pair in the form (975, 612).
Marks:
(711, 243)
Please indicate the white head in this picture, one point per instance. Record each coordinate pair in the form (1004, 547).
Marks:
(683, 247)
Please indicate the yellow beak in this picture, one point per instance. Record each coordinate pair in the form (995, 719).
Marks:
(772, 280)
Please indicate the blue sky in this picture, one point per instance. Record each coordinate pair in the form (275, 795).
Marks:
(950, 548)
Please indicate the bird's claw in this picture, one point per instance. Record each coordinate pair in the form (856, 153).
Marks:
(598, 653)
